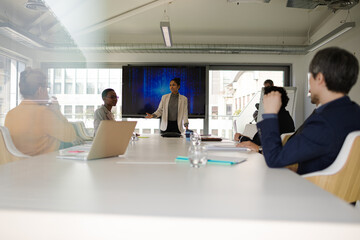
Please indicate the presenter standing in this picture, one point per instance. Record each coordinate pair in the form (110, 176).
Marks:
(173, 110)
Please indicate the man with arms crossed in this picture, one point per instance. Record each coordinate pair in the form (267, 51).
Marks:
(333, 72)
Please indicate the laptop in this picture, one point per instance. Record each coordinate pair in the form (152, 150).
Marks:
(111, 139)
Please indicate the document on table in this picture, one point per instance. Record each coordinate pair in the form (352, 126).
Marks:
(217, 160)
(226, 148)
(79, 152)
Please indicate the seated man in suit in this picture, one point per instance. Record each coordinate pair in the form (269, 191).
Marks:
(333, 72)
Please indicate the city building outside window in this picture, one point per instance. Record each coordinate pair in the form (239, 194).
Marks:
(82, 91)
(234, 91)
(10, 70)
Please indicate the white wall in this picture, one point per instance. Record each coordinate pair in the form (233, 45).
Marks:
(300, 63)
(349, 41)
(16, 50)
(299, 70)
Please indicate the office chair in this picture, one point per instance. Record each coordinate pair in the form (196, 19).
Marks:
(8, 151)
(285, 137)
(342, 177)
(81, 131)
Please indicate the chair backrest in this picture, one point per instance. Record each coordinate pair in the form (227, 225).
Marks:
(81, 131)
(342, 178)
(8, 151)
(85, 130)
(285, 137)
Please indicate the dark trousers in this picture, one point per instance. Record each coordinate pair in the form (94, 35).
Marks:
(172, 126)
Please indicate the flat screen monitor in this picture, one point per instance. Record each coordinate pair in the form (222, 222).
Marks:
(143, 87)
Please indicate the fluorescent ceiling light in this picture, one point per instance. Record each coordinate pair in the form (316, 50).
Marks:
(331, 36)
(20, 36)
(248, 1)
(37, 5)
(165, 30)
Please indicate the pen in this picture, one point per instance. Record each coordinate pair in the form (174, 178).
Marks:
(218, 162)
(223, 162)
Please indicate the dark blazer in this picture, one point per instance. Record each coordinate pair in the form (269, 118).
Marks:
(318, 144)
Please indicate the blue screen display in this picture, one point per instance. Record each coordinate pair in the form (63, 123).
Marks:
(143, 87)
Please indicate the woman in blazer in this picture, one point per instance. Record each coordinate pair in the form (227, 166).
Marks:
(173, 110)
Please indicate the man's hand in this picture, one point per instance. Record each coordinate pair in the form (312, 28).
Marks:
(248, 144)
(237, 136)
(54, 104)
(272, 102)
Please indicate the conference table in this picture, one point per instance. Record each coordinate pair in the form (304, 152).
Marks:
(145, 194)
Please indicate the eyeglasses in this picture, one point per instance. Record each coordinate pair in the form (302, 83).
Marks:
(113, 97)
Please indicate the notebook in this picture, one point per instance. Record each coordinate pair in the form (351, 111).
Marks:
(226, 148)
(112, 139)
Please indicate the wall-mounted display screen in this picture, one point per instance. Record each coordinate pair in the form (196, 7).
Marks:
(143, 87)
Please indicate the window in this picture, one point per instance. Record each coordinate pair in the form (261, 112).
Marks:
(230, 93)
(81, 75)
(69, 80)
(57, 88)
(68, 111)
(228, 109)
(214, 132)
(91, 81)
(103, 82)
(115, 79)
(82, 90)
(79, 112)
(90, 88)
(146, 131)
(234, 92)
(9, 84)
(58, 81)
(90, 111)
(79, 109)
(214, 112)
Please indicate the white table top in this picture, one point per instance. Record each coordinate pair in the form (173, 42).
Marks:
(145, 189)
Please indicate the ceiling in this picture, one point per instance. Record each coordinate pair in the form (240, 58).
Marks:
(114, 25)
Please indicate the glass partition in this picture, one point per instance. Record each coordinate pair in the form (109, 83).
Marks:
(233, 95)
(78, 91)
(9, 84)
